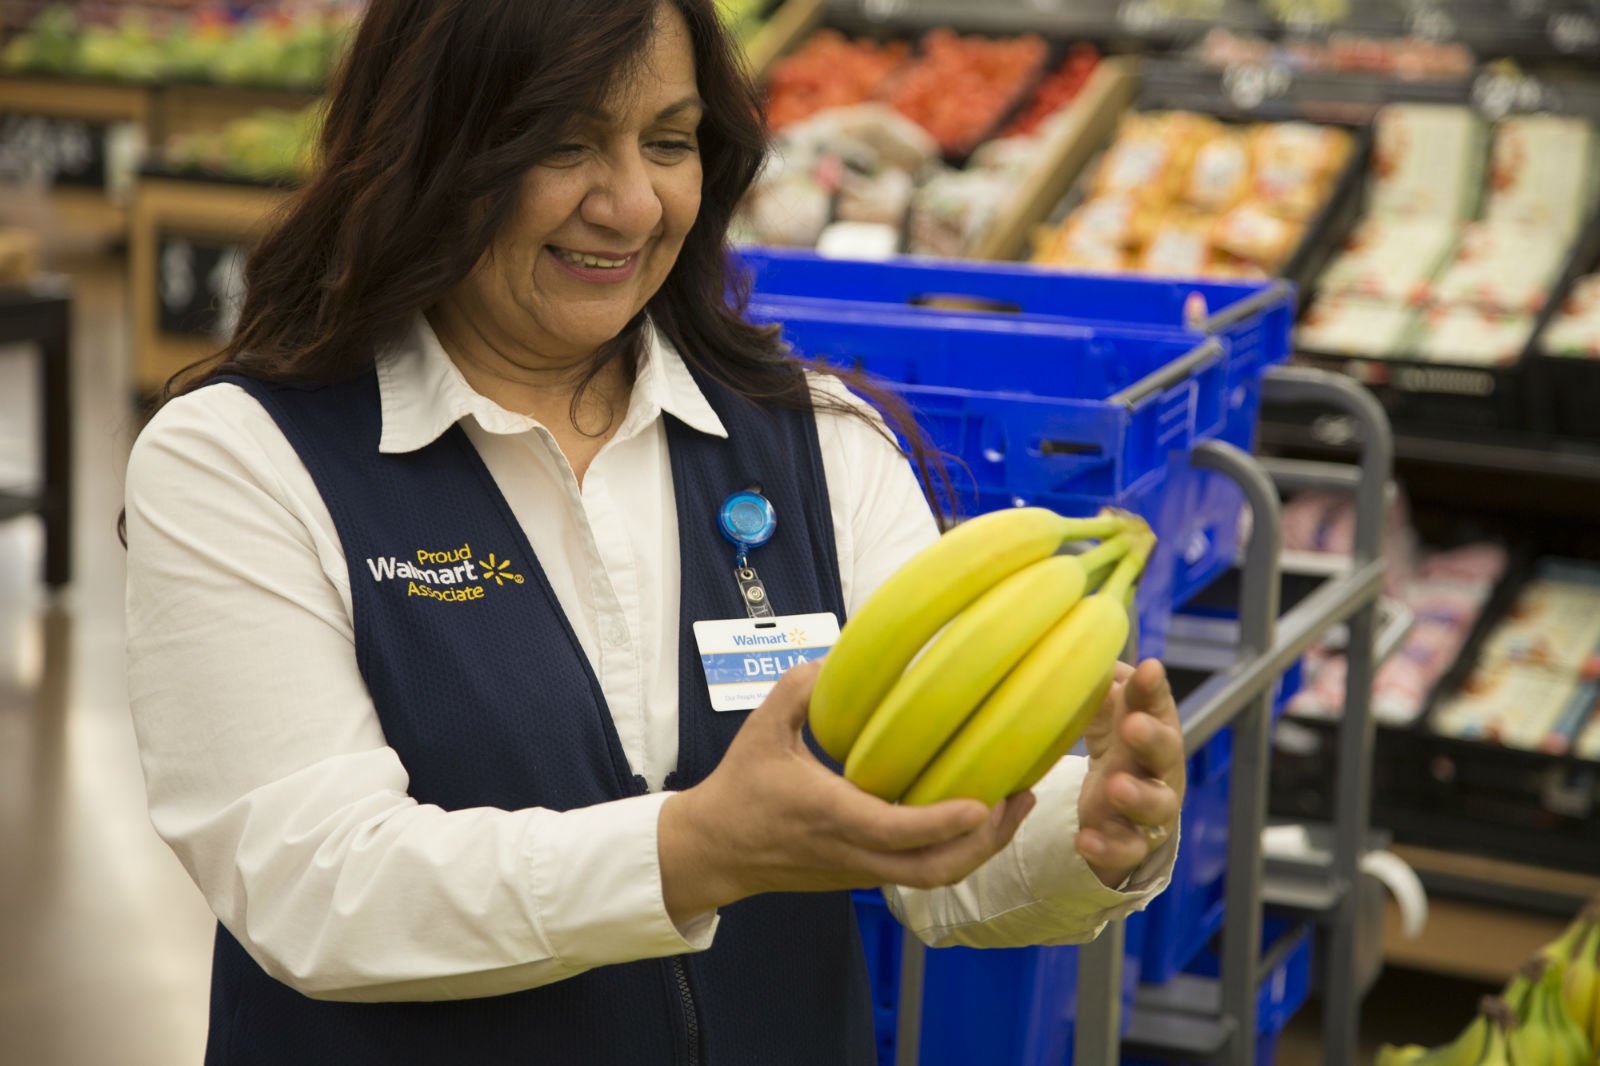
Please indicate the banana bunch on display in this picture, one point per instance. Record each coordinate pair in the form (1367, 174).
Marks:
(977, 666)
(1549, 1015)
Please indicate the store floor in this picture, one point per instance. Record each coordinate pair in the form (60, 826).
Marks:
(104, 943)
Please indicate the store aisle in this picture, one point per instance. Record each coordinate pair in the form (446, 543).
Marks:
(104, 943)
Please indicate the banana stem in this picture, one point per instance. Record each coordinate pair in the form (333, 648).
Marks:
(1102, 555)
(1129, 567)
(1099, 527)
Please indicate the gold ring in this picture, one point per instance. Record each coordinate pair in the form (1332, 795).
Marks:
(1155, 834)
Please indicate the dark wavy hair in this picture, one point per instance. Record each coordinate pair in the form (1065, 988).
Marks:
(437, 111)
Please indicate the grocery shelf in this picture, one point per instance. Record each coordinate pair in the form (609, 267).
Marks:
(1503, 452)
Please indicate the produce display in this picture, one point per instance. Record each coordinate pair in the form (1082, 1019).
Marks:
(1406, 58)
(867, 133)
(1548, 1015)
(1180, 194)
(978, 664)
(1445, 591)
(284, 44)
(1461, 242)
(1575, 330)
(1536, 685)
(267, 146)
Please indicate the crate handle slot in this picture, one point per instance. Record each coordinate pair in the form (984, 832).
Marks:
(1165, 377)
(942, 301)
(1067, 447)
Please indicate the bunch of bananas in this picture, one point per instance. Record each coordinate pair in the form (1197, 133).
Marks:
(1549, 1015)
(978, 664)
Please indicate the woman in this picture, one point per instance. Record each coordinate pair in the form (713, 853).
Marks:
(412, 579)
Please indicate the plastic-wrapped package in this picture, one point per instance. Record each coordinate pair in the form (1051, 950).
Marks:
(1345, 324)
(1151, 155)
(787, 206)
(1179, 248)
(1220, 173)
(1470, 335)
(1502, 266)
(1292, 165)
(1543, 172)
(950, 212)
(1391, 258)
(1428, 159)
(1575, 330)
(1251, 232)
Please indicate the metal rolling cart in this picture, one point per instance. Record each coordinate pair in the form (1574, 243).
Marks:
(1217, 1022)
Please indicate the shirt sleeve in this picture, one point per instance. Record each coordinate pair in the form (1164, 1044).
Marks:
(269, 776)
(1039, 889)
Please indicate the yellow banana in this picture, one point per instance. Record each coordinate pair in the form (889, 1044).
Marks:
(1389, 1055)
(939, 691)
(1578, 986)
(1040, 705)
(1069, 734)
(920, 599)
(1544, 1033)
(1502, 1021)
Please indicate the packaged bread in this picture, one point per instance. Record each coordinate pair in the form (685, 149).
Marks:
(1293, 165)
(1428, 159)
(1180, 247)
(1078, 249)
(1542, 171)
(1151, 154)
(1252, 232)
(1220, 173)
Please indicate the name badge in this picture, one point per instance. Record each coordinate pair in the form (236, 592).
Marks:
(744, 657)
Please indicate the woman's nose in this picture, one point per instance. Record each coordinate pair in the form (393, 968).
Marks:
(624, 199)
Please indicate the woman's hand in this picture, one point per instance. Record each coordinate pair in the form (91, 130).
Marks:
(771, 818)
(1134, 788)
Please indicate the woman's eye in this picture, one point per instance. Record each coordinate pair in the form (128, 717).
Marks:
(674, 148)
(564, 153)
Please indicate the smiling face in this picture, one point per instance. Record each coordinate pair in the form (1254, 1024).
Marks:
(599, 223)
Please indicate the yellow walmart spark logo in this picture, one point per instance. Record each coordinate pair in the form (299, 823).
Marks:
(797, 637)
(499, 571)
(452, 575)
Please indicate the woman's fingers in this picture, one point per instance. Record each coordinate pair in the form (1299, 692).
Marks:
(949, 862)
(1156, 745)
(869, 823)
(1148, 690)
(1143, 801)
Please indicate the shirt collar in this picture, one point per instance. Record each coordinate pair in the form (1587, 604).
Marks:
(423, 394)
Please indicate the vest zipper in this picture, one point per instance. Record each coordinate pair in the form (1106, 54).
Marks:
(691, 1014)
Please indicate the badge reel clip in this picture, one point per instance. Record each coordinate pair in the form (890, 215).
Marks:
(748, 520)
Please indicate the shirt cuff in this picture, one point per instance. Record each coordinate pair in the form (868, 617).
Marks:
(598, 890)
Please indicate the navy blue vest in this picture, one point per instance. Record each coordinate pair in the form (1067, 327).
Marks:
(484, 692)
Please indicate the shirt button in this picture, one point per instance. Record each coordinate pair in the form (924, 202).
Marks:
(616, 636)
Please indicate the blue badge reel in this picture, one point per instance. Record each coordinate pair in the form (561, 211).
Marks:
(748, 520)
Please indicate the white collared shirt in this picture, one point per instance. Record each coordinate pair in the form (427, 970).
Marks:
(266, 764)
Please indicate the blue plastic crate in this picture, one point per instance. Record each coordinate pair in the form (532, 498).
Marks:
(1033, 411)
(1255, 318)
(1283, 991)
(1013, 1005)
(1028, 406)
(1178, 924)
